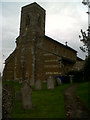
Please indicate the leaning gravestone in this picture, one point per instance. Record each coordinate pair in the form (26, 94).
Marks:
(38, 85)
(50, 83)
(59, 82)
(26, 96)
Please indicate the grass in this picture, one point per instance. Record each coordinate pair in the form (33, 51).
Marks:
(16, 85)
(83, 93)
(48, 103)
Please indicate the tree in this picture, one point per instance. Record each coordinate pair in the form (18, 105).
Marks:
(85, 38)
(87, 69)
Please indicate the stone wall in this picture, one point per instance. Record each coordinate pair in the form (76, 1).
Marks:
(8, 97)
(8, 72)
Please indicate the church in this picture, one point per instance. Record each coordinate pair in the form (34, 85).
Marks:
(37, 56)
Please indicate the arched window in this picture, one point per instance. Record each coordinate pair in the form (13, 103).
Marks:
(27, 20)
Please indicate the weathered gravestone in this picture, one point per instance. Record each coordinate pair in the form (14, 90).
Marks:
(19, 96)
(59, 82)
(50, 83)
(38, 85)
(32, 82)
(26, 95)
(8, 97)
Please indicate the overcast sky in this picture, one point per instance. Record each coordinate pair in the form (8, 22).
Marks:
(64, 20)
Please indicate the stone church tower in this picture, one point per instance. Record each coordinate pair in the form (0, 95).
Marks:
(21, 64)
(37, 56)
(32, 28)
(32, 20)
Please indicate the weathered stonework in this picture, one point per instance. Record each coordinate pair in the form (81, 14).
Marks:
(36, 54)
(8, 98)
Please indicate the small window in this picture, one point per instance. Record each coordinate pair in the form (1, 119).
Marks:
(27, 20)
(39, 21)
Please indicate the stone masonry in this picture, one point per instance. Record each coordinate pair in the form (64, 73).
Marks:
(37, 56)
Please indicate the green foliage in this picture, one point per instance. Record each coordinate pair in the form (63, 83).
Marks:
(16, 85)
(83, 92)
(87, 69)
(85, 38)
(78, 76)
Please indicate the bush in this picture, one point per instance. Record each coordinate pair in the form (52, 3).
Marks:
(78, 76)
(87, 69)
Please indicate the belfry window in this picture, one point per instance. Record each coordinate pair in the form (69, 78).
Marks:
(39, 21)
(27, 20)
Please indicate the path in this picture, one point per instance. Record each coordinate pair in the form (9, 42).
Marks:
(74, 107)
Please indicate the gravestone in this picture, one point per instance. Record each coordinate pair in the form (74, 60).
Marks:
(19, 96)
(26, 95)
(50, 83)
(71, 78)
(59, 82)
(32, 82)
(38, 85)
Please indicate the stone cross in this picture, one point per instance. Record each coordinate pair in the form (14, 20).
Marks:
(50, 83)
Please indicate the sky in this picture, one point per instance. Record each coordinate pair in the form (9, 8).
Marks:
(64, 20)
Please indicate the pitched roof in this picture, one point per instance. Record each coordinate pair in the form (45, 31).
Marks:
(34, 4)
(60, 43)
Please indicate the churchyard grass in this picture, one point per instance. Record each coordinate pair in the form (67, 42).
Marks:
(47, 103)
(83, 92)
